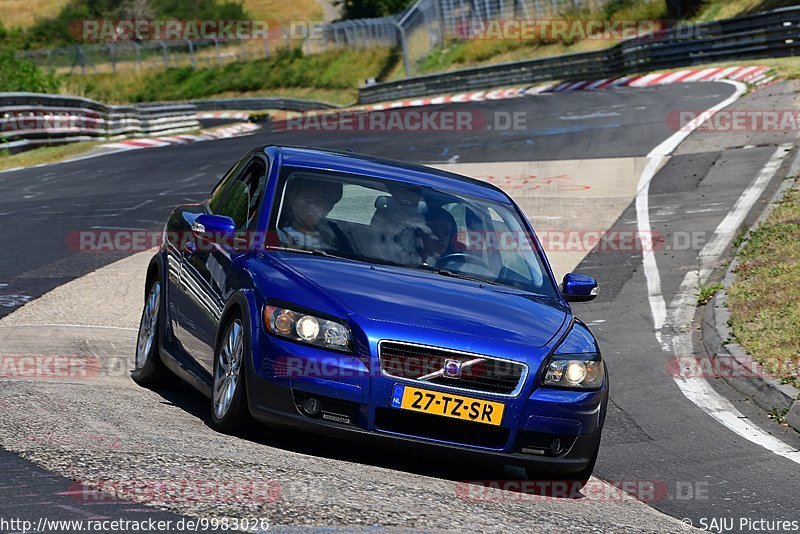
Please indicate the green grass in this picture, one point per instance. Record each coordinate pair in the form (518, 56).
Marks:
(765, 298)
(723, 9)
(706, 292)
(48, 154)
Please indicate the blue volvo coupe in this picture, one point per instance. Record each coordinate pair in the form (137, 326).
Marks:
(366, 298)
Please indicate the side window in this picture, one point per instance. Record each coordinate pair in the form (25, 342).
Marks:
(241, 198)
(357, 204)
(218, 194)
(512, 259)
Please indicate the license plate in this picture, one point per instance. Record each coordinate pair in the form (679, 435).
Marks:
(447, 405)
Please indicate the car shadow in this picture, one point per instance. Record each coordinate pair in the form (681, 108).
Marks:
(477, 475)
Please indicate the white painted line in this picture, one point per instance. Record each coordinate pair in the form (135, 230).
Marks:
(655, 158)
(682, 308)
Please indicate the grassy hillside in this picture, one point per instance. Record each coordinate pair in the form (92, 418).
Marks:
(24, 13)
(331, 76)
(283, 11)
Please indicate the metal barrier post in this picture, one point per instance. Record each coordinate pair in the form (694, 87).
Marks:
(404, 45)
(111, 57)
(191, 52)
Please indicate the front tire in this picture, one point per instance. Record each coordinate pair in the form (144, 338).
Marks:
(149, 371)
(578, 480)
(229, 411)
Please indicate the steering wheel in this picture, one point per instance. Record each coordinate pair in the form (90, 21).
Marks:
(466, 258)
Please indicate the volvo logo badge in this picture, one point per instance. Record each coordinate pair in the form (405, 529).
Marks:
(452, 369)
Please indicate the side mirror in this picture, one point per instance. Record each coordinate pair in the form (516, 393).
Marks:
(213, 227)
(579, 287)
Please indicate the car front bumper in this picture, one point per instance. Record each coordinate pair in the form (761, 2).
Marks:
(357, 405)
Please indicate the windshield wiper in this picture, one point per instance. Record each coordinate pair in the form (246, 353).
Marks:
(462, 276)
(326, 254)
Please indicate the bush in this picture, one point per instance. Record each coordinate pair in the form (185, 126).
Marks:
(23, 75)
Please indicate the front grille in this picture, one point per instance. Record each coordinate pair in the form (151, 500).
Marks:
(478, 373)
(441, 428)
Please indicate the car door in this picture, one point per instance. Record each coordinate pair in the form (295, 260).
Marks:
(205, 264)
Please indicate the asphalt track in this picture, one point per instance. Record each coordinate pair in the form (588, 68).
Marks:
(653, 432)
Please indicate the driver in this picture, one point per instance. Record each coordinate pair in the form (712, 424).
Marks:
(308, 202)
(439, 238)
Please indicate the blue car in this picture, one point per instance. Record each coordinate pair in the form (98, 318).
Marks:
(370, 299)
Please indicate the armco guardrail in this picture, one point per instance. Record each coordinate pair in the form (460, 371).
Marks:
(760, 35)
(29, 119)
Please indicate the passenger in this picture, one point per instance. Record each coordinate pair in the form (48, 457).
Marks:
(308, 202)
(396, 227)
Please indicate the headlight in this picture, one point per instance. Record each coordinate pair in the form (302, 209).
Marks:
(307, 328)
(583, 371)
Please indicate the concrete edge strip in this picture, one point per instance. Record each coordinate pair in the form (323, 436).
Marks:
(748, 376)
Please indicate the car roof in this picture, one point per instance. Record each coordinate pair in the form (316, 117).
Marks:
(315, 158)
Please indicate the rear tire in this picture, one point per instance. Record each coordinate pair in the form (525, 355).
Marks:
(229, 411)
(149, 371)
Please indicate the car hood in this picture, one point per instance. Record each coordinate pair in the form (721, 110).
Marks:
(429, 300)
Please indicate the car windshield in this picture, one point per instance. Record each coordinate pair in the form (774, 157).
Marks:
(407, 225)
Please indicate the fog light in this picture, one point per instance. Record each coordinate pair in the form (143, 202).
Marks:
(312, 406)
(556, 446)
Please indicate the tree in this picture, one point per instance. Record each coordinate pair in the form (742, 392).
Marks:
(681, 9)
(357, 9)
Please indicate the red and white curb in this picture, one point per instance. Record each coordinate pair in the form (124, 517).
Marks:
(238, 115)
(757, 75)
(475, 96)
(234, 130)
